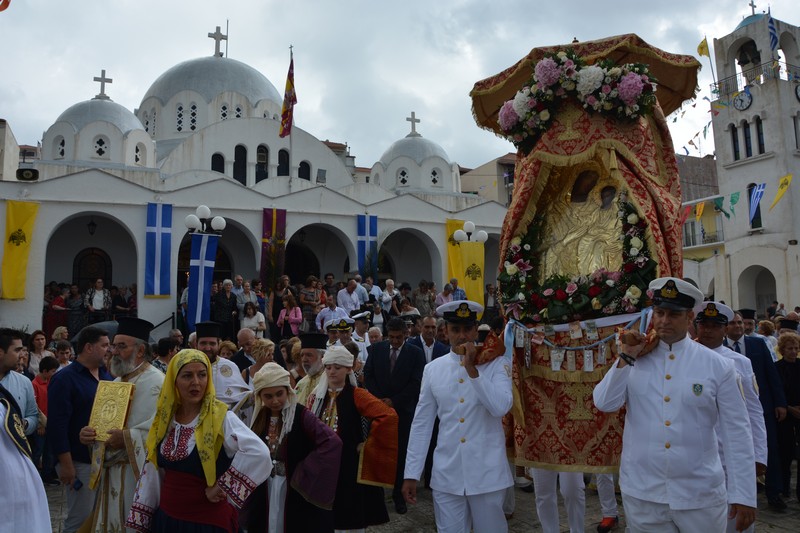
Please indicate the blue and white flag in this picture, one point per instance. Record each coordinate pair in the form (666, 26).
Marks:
(201, 272)
(755, 199)
(773, 34)
(158, 251)
(368, 243)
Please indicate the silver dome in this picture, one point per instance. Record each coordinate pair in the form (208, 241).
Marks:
(83, 113)
(211, 76)
(415, 147)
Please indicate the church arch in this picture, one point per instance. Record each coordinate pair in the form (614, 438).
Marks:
(240, 164)
(748, 139)
(735, 142)
(304, 171)
(757, 287)
(59, 147)
(328, 244)
(218, 163)
(222, 263)
(397, 249)
(262, 163)
(283, 162)
(760, 135)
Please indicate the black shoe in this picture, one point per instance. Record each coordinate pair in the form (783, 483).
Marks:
(527, 488)
(776, 503)
(400, 507)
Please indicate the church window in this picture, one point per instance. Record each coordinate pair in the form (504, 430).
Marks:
(436, 177)
(402, 177)
(756, 222)
(304, 171)
(140, 154)
(146, 121)
(262, 163)
(59, 147)
(735, 143)
(153, 118)
(283, 163)
(748, 140)
(223, 112)
(218, 163)
(760, 135)
(193, 117)
(240, 164)
(266, 114)
(179, 117)
(101, 146)
(238, 111)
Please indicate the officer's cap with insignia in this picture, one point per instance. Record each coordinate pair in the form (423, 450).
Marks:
(207, 329)
(675, 294)
(344, 324)
(330, 325)
(363, 315)
(715, 312)
(460, 312)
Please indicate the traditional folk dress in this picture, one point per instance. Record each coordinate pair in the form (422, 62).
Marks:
(306, 386)
(299, 495)
(121, 468)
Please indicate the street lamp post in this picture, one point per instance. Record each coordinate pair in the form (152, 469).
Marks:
(201, 221)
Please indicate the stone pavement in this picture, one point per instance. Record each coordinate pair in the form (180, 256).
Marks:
(419, 518)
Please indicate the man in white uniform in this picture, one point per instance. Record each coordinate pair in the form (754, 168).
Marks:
(226, 376)
(123, 455)
(711, 319)
(671, 476)
(470, 469)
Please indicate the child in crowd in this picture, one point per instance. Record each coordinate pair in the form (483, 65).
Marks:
(42, 457)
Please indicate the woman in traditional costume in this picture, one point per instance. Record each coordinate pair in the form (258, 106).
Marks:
(202, 461)
(368, 430)
(298, 497)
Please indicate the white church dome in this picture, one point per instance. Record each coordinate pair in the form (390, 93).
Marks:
(100, 110)
(212, 76)
(415, 147)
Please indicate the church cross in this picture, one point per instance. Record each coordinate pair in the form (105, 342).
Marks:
(414, 121)
(218, 37)
(578, 392)
(103, 80)
(752, 5)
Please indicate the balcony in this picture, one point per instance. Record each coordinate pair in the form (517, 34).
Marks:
(704, 239)
(757, 75)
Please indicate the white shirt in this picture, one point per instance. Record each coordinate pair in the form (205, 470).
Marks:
(97, 300)
(675, 396)
(427, 349)
(348, 301)
(470, 456)
(327, 314)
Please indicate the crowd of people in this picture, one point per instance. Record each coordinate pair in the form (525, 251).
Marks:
(300, 422)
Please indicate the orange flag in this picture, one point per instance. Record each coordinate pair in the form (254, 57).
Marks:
(289, 100)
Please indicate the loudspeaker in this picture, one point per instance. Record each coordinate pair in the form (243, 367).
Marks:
(27, 174)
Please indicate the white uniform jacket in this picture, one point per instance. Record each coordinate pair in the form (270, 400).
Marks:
(675, 396)
(228, 382)
(754, 410)
(470, 456)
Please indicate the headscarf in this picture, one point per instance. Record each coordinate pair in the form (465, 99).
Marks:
(274, 375)
(208, 434)
(335, 355)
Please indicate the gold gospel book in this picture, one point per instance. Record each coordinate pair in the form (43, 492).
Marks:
(111, 405)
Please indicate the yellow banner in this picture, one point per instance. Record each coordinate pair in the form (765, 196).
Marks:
(698, 210)
(782, 186)
(702, 48)
(454, 269)
(471, 276)
(20, 217)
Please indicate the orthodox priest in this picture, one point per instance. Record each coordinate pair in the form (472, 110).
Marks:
(228, 382)
(118, 461)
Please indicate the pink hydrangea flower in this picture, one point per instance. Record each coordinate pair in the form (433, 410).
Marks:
(547, 72)
(630, 88)
(606, 89)
(508, 118)
(591, 100)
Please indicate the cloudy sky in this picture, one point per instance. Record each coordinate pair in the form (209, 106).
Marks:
(361, 66)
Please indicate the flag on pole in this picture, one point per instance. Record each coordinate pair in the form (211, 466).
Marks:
(367, 226)
(685, 214)
(702, 48)
(718, 206)
(201, 272)
(698, 210)
(289, 100)
(782, 186)
(273, 246)
(773, 34)
(20, 217)
(158, 250)
(755, 198)
(734, 201)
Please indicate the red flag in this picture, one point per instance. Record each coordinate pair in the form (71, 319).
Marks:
(686, 210)
(289, 99)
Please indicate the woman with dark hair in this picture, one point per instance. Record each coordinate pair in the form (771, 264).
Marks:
(290, 317)
(258, 289)
(76, 313)
(37, 350)
(253, 319)
(309, 298)
(225, 310)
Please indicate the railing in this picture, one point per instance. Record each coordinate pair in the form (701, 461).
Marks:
(755, 76)
(703, 239)
(170, 319)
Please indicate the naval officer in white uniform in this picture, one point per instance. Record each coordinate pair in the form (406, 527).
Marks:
(671, 476)
(470, 469)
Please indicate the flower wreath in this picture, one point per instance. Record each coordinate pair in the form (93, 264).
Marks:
(625, 92)
(561, 299)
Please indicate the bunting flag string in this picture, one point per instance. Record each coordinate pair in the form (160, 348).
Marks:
(698, 210)
(755, 199)
(783, 184)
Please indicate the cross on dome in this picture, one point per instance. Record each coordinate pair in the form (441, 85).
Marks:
(218, 37)
(752, 5)
(414, 121)
(103, 80)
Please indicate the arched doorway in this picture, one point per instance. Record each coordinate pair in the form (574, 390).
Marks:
(317, 249)
(756, 288)
(301, 262)
(89, 265)
(491, 258)
(410, 256)
(222, 263)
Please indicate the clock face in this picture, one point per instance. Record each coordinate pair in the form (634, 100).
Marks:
(742, 101)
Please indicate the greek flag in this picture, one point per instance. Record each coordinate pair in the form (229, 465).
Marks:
(755, 199)
(368, 243)
(201, 272)
(773, 34)
(158, 250)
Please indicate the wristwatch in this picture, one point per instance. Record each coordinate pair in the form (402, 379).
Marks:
(627, 358)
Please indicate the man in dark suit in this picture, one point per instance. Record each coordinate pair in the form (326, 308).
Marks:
(771, 396)
(393, 373)
(427, 342)
(243, 358)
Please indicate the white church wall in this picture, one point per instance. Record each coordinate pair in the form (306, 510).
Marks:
(9, 152)
(89, 146)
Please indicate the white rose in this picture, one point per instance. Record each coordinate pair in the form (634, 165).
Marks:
(633, 292)
(633, 218)
(520, 296)
(634, 252)
(636, 242)
(527, 247)
(511, 269)
(544, 116)
(561, 55)
(610, 282)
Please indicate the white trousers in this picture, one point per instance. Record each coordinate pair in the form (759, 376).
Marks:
(571, 483)
(458, 513)
(645, 517)
(509, 500)
(605, 491)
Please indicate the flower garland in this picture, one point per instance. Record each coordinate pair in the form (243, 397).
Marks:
(625, 92)
(560, 299)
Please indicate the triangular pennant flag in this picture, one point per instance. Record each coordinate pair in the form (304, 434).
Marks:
(782, 186)
(718, 207)
(755, 199)
(685, 214)
(733, 201)
(698, 210)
